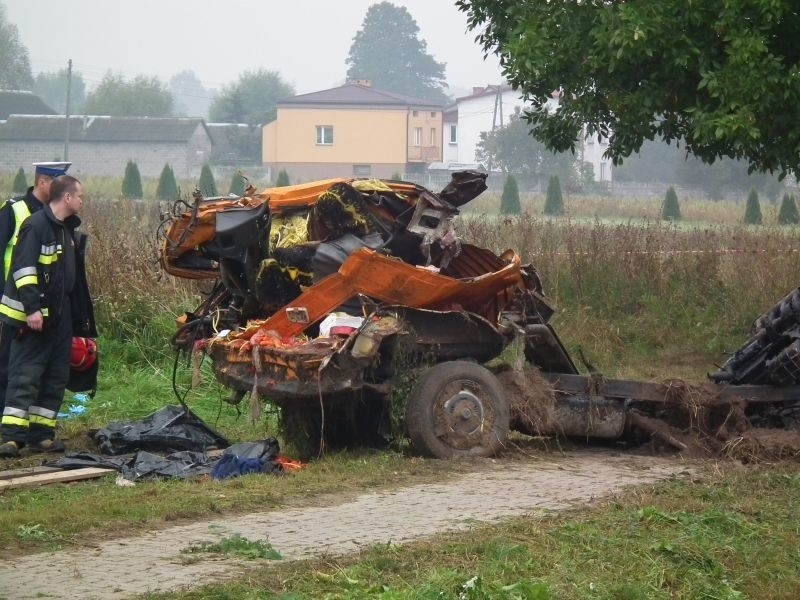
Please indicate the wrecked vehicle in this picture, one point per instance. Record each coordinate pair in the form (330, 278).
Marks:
(352, 305)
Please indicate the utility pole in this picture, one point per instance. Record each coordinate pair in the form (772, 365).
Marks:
(69, 89)
(500, 101)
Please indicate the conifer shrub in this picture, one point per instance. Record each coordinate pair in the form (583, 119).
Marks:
(238, 184)
(509, 201)
(167, 186)
(554, 203)
(788, 215)
(207, 185)
(20, 182)
(671, 209)
(283, 178)
(752, 212)
(132, 182)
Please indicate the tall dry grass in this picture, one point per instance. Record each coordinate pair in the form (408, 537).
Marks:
(640, 295)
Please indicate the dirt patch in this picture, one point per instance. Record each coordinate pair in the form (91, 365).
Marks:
(765, 445)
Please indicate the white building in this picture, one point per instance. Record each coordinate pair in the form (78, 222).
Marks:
(490, 107)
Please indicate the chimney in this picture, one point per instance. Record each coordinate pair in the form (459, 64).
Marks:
(477, 90)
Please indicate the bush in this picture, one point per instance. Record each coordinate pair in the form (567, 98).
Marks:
(396, 176)
(20, 182)
(238, 184)
(167, 186)
(752, 212)
(554, 203)
(788, 214)
(509, 201)
(132, 182)
(671, 209)
(207, 185)
(283, 179)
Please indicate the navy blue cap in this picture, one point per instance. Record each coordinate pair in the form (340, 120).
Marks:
(54, 169)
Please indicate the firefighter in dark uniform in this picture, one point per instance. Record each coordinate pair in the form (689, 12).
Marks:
(12, 214)
(47, 299)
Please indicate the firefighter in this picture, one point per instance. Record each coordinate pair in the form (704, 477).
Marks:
(44, 279)
(12, 213)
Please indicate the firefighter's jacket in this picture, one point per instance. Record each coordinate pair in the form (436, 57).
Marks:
(47, 265)
(12, 214)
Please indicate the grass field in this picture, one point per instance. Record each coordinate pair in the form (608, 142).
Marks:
(641, 298)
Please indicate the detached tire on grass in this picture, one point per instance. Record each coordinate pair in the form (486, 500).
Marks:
(457, 409)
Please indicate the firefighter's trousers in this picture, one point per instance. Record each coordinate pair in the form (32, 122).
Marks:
(38, 371)
(7, 333)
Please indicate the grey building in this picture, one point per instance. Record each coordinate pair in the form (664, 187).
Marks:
(103, 145)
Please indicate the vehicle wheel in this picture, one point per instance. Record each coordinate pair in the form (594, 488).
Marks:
(457, 409)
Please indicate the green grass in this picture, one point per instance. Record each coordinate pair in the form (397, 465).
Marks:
(237, 545)
(734, 534)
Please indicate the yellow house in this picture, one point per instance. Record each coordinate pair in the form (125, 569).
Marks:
(353, 130)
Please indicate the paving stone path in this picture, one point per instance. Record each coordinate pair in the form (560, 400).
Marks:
(124, 567)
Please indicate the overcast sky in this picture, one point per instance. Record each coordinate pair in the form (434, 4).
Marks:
(307, 41)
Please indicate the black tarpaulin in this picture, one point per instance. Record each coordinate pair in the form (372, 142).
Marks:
(171, 428)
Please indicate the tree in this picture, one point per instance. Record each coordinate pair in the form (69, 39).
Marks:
(141, 97)
(15, 63)
(388, 52)
(167, 186)
(207, 185)
(671, 209)
(238, 184)
(509, 201)
(132, 181)
(253, 99)
(191, 97)
(283, 179)
(752, 212)
(554, 203)
(717, 76)
(788, 214)
(512, 149)
(52, 88)
(20, 182)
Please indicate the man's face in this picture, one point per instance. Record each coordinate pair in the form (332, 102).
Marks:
(74, 200)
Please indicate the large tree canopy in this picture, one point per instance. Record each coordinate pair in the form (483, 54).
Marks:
(141, 97)
(253, 99)
(721, 77)
(387, 51)
(15, 64)
(52, 88)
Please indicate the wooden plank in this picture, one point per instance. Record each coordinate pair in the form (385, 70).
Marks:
(60, 477)
(648, 391)
(14, 473)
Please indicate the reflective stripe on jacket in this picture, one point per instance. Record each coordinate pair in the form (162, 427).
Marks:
(21, 212)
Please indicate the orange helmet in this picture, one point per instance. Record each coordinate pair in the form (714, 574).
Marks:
(83, 355)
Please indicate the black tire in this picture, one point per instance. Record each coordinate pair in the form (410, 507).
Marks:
(457, 409)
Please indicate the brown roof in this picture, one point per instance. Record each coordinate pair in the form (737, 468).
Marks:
(15, 102)
(358, 95)
(100, 129)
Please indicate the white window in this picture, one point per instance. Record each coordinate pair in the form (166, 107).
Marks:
(324, 135)
(433, 137)
(453, 134)
(433, 114)
(418, 136)
(414, 113)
